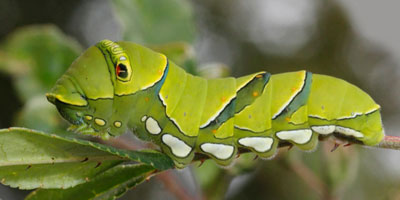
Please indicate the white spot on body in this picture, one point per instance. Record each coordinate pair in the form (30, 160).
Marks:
(349, 132)
(122, 58)
(301, 136)
(100, 122)
(178, 147)
(144, 118)
(152, 126)
(324, 130)
(260, 144)
(117, 124)
(220, 151)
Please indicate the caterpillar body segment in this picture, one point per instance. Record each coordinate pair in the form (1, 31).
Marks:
(113, 87)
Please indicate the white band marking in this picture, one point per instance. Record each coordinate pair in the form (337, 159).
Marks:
(220, 151)
(324, 130)
(301, 136)
(291, 98)
(260, 144)
(349, 132)
(212, 118)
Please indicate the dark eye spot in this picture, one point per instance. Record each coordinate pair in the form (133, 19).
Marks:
(121, 71)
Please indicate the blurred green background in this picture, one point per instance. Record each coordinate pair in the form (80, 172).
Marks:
(357, 42)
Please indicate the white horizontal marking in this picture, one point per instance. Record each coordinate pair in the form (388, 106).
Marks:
(243, 128)
(301, 136)
(324, 130)
(318, 117)
(178, 147)
(351, 116)
(260, 144)
(220, 151)
(349, 132)
(152, 126)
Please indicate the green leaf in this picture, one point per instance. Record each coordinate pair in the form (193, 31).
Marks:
(39, 114)
(31, 159)
(109, 185)
(155, 21)
(43, 51)
(178, 52)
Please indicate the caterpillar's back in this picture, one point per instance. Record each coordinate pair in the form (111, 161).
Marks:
(185, 114)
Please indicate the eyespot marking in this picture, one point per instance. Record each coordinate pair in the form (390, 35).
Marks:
(260, 144)
(220, 151)
(301, 136)
(178, 147)
(152, 126)
(100, 122)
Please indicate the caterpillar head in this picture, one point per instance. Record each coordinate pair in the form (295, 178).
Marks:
(85, 94)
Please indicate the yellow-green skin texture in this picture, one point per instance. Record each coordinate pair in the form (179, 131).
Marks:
(115, 87)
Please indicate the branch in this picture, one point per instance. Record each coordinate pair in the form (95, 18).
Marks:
(390, 142)
(311, 179)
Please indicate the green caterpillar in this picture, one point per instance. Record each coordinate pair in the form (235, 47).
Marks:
(115, 86)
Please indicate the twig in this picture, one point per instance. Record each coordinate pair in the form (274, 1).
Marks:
(308, 176)
(173, 186)
(390, 142)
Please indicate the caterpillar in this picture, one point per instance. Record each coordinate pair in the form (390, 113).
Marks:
(116, 86)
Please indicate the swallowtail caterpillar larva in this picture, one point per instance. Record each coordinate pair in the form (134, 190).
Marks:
(115, 86)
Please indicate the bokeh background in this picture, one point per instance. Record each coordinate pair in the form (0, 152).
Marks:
(354, 40)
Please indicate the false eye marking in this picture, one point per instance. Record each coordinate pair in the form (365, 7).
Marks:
(100, 122)
(301, 136)
(119, 59)
(117, 124)
(178, 147)
(121, 71)
(152, 126)
(260, 144)
(324, 130)
(220, 151)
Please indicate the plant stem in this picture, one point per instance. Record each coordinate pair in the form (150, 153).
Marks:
(390, 142)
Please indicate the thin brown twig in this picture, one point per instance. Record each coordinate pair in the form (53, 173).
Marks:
(390, 142)
(173, 186)
(313, 181)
